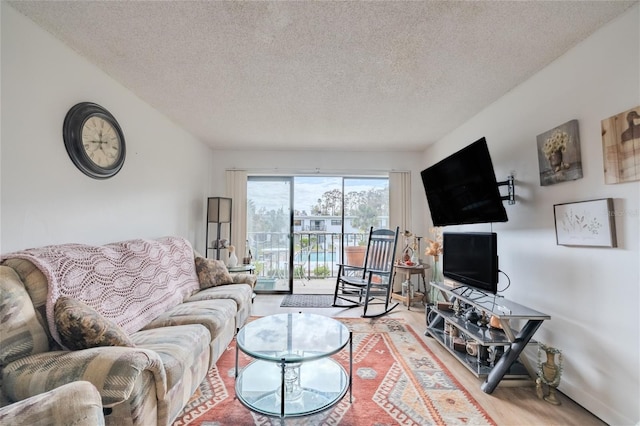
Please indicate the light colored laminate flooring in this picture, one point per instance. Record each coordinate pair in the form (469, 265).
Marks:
(507, 405)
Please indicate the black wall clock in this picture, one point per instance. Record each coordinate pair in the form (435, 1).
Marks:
(94, 140)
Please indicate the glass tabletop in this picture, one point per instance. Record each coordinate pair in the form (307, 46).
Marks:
(294, 337)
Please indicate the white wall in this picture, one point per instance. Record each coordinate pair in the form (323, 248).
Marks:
(592, 294)
(287, 163)
(45, 199)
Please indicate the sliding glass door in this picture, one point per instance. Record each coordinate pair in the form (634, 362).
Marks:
(300, 228)
(269, 218)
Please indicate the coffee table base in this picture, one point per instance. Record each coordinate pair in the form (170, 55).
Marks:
(259, 386)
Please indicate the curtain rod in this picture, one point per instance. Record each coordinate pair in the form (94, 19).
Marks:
(318, 171)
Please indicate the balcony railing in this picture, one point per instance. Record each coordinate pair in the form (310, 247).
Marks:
(315, 254)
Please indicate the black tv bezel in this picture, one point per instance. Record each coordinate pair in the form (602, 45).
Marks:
(443, 196)
(488, 287)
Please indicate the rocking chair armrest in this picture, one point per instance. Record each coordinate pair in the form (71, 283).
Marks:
(378, 272)
(344, 265)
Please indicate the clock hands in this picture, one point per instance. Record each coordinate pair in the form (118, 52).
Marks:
(102, 145)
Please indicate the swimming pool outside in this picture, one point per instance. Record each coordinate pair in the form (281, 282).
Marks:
(313, 257)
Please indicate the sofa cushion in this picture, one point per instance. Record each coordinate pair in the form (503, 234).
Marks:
(212, 273)
(240, 293)
(213, 314)
(81, 327)
(22, 334)
(180, 348)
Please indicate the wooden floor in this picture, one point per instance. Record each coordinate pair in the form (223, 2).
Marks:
(507, 405)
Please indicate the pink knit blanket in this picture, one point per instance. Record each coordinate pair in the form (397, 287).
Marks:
(129, 282)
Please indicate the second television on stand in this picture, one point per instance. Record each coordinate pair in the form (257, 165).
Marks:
(471, 259)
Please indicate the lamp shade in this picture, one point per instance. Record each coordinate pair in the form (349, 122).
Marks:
(219, 210)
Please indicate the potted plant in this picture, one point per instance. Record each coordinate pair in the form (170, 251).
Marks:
(354, 255)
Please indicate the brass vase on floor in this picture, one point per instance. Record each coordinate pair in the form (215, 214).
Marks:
(549, 373)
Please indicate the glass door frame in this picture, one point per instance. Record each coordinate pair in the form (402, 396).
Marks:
(290, 180)
(291, 237)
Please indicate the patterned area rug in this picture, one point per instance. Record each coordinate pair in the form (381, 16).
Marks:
(397, 380)
(307, 301)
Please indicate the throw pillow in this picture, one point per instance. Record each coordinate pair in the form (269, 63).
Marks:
(212, 272)
(81, 327)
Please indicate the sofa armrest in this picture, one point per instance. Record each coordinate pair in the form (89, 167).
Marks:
(76, 403)
(113, 370)
(245, 279)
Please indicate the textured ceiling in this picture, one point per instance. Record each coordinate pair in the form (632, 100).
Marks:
(320, 75)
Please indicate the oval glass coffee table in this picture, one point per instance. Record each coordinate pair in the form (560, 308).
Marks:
(292, 374)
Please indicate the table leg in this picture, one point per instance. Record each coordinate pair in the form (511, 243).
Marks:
(424, 284)
(407, 299)
(236, 361)
(282, 390)
(350, 366)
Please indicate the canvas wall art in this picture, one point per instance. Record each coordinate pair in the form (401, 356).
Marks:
(586, 223)
(621, 146)
(559, 154)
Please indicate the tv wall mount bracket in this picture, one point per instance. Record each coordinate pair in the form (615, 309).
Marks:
(510, 182)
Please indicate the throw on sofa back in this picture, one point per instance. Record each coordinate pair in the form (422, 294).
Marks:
(129, 282)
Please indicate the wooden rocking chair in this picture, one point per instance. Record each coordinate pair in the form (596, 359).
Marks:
(369, 284)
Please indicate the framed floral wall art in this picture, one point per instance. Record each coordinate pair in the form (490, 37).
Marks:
(621, 146)
(559, 154)
(586, 223)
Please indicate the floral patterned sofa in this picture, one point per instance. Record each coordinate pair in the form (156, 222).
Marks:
(141, 320)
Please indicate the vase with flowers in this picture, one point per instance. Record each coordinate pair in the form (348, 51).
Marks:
(434, 249)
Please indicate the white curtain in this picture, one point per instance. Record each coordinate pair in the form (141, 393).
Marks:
(400, 201)
(236, 189)
(399, 209)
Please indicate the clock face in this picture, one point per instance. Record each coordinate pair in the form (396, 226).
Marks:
(94, 140)
(101, 142)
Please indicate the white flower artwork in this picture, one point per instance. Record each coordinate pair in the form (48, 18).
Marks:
(585, 223)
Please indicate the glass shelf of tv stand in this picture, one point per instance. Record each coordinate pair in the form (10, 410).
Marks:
(493, 304)
(473, 363)
(486, 336)
(510, 365)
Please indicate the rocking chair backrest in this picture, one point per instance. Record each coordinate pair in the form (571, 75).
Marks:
(381, 250)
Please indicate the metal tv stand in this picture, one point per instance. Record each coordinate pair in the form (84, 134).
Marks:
(497, 350)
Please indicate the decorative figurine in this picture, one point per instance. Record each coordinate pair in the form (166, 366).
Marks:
(246, 260)
(549, 373)
(456, 307)
(484, 319)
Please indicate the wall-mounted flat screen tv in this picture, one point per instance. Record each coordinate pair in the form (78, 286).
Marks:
(471, 259)
(462, 188)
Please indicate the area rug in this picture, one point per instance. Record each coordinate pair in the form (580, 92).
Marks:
(397, 380)
(307, 301)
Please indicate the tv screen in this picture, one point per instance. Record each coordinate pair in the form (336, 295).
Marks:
(471, 258)
(462, 188)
